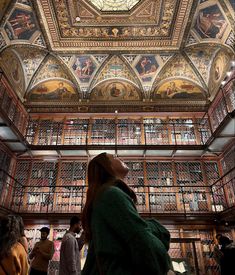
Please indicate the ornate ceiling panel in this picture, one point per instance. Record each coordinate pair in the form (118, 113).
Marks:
(178, 67)
(72, 24)
(179, 89)
(115, 91)
(211, 22)
(51, 69)
(115, 68)
(88, 52)
(53, 91)
(202, 58)
(31, 58)
(218, 70)
(11, 64)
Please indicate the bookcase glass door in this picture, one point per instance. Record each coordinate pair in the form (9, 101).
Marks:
(70, 192)
(129, 132)
(156, 131)
(103, 131)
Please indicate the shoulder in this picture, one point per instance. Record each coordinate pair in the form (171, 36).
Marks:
(68, 238)
(18, 249)
(113, 193)
(49, 243)
(113, 197)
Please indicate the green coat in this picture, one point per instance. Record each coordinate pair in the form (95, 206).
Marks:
(122, 242)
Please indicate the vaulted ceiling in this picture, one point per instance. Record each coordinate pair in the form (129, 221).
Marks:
(89, 54)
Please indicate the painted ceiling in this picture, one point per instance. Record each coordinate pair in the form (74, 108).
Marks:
(77, 52)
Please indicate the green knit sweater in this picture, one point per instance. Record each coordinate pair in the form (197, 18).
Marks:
(122, 242)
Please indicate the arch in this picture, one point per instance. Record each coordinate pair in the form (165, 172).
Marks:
(178, 88)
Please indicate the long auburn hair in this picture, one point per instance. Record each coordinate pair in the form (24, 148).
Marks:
(100, 172)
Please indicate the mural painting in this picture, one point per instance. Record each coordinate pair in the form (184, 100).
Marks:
(11, 65)
(218, 68)
(51, 69)
(115, 68)
(52, 90)
(147, 67)
(202, 58)
(114, 91)
(21, 25)
(210, 22)
(181, 89)
(84, 67)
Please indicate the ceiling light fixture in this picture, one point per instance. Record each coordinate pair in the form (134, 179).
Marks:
(223, 82)
(78, 19)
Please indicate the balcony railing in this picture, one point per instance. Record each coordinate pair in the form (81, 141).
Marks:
(185, 199)
(110, 132)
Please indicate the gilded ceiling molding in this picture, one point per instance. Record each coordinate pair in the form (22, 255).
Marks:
(71, 35)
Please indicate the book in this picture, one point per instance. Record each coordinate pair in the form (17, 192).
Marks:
(179, 267)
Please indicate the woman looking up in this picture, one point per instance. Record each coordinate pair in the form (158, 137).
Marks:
(120, 241)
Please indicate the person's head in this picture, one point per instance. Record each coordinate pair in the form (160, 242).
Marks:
(218, 236)
(102, 169)
(44, 233)
(105, 167)
(9, 234)
(75, 224)
(21, 225)
(223, 240)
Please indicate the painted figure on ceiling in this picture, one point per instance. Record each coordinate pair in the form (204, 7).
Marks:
(211, 23)
(20, 25)
(87, 67)
(61, 92)
(147, 67)
(114, 91)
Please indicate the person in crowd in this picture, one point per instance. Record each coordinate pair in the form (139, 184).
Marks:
(13, 257)
(41, 254)
(23, 240)
(120, 241)
(70, 262)
(227, 254)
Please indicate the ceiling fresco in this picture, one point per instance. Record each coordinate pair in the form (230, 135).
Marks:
(211, 22)
(11, 65)
(53, 90)
(218, 70)
(30, 58)
(69, 52)
(179, 89)
(202, 59)
(72, 24)
(115, 91)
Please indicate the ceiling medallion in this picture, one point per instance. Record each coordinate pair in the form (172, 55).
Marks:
(114, 5)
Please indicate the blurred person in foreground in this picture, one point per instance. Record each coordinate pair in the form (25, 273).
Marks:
(227, 254)
(13, 256)
(41, 254)
(120, 241)
(70, 261)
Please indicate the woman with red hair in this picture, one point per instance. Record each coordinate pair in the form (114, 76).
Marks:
(120, 241)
